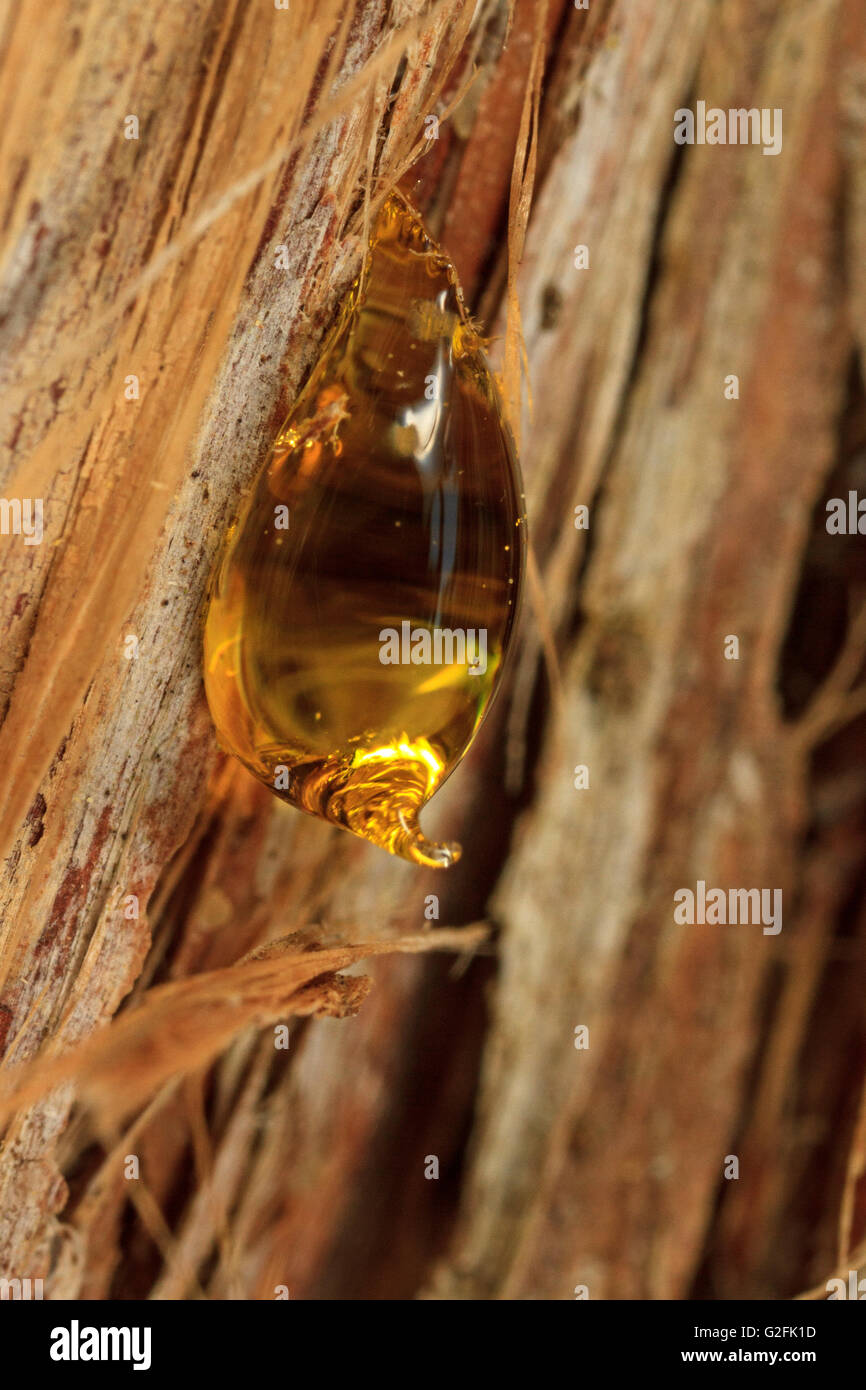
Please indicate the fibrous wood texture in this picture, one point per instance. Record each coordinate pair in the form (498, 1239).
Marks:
(162, 298)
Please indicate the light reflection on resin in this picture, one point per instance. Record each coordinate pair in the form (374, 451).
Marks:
(365, 597)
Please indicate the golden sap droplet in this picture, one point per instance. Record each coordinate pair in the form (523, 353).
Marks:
(349, 667)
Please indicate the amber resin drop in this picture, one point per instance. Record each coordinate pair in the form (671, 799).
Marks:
(364, 601)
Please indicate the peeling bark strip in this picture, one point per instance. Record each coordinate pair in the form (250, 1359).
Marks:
(162, 297)
(184, 1025)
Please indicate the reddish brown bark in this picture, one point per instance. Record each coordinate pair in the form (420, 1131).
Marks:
(559, 1167)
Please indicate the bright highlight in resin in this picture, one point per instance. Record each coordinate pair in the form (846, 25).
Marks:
(365, 597)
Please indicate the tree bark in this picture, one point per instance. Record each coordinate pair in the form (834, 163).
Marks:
(146, 874)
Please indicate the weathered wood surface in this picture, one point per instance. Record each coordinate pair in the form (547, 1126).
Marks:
(558, 1167)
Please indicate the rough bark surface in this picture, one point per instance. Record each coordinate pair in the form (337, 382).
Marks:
(155, 258)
